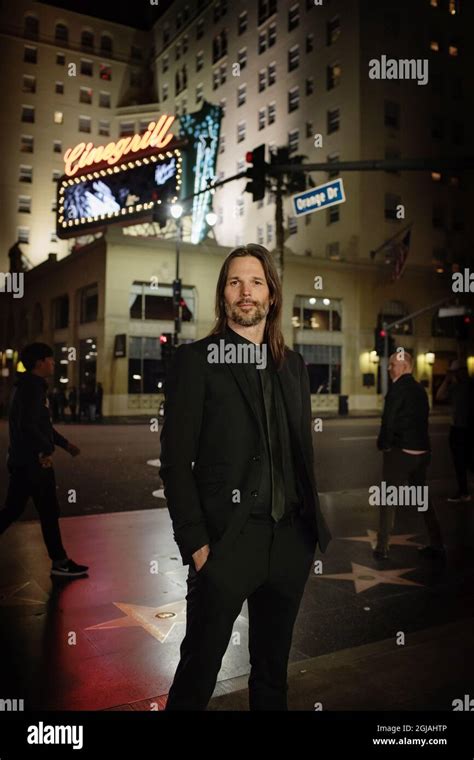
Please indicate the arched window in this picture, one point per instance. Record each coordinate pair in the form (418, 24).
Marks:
(87, 40)
(61, 34)
(389, 313)
(106, 44)
(31, 27)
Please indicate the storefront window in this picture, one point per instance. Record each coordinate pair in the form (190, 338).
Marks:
(145, 366)
(321, 314)
(156, 303)
(324, 367)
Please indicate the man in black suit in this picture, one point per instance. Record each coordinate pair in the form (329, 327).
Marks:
(238, 473)
(405, 443)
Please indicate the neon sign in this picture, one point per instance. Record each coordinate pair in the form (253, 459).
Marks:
(84, 155)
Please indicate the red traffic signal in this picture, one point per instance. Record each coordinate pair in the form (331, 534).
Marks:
(256, 172)
(163, 339)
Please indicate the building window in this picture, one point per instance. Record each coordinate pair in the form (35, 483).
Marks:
(127, 128)
(199, 60)
(239, 207)
(199, 93)
(29, 83)
(271, 113)
(241, 95)
(271, 73)
(28, 114)
(60, 59)
(106, 44)
(55, 175)
(309, 43)
(156, 303)
(241, 131)
(223, 72)
(104, 99)
(222, 104)
(59, 88)
(61, 312)
(87, 41)
(242, 22)
(57, 146)
(220, 9)
(391, 203)
(165, 92)
(31, 27)
(292, 225)
(89, 301)
(293, 17)
(309, 85)
(332, 159)
(333, 120)
(453, 49)
(26, 144)
(53, 238)
(200, 29)
(262, 42)
(26, 173)
(24, 204)
(266, 8)
(87, 67)
(84, 124)
(54, 206)
(323, 362)
(333, 30)
(58, 117)
(392, 114)
(293, 140)
(85, 95)
(293, 58)
(177, 51)
(262, 80)
(262, 118)
(105, 72)
(30, 54)
(242, 58)
(434, 46)
(269, 232)
(272, 34)
(23, 234)
(166, 35)
(332, 215)
(104, 128)
(293, 99)
(165, 64)
(333, 76)
(222, 144)
(219, 46)
(309, 129)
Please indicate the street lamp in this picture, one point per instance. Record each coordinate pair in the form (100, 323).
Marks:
(430, 357)
(211, 218)
(176, 211)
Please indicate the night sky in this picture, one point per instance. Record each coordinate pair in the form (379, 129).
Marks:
(140, 15)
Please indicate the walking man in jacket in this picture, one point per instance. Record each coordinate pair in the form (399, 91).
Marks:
(30, 464)
(238, 471)
(405, 443)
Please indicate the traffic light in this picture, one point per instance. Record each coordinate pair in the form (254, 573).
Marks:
(177, 292)
(166, 343)
(256, 173)
(380, 342)
(461, 326)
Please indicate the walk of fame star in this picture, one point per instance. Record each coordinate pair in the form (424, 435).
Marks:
(27, 593)
(158, 621)
(403, 539)
(366, 577)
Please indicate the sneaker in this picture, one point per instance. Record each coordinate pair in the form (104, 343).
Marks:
(69, 569)
(380, 553)
(459, 497)
(432, 552)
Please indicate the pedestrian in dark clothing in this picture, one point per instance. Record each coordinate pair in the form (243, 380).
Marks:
(30, 465)
(99, 398)
(457, 387)
(405, 444)
(72, 401)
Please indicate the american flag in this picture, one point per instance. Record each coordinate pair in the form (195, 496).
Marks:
(399, 254)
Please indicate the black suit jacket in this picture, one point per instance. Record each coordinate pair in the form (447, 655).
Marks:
(405, 416)
(211, 445)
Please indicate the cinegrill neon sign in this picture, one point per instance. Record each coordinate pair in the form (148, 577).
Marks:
(85, 155)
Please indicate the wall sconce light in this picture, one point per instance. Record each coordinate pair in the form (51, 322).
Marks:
(430, 357)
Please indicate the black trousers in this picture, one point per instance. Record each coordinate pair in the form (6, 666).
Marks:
(39, 483)
(268, 565)
(459, 441)
(400, 469)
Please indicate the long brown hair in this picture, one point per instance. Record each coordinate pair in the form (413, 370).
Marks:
(273, 334)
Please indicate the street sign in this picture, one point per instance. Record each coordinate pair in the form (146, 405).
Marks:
(453, 311)
(329, 194)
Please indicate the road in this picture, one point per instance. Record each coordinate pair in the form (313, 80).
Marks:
(112, 474)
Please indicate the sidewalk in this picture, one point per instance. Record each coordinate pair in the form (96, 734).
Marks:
(111, 641)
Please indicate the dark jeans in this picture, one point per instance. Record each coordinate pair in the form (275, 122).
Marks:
(39, 483)
(268, 565)
(400, 469)
(459, 443)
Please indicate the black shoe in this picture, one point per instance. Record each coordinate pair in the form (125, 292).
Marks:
(380, 553)
(70, 569)
(459, 497)
(433, 552)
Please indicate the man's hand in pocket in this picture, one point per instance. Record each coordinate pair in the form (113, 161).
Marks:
(200, 557)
